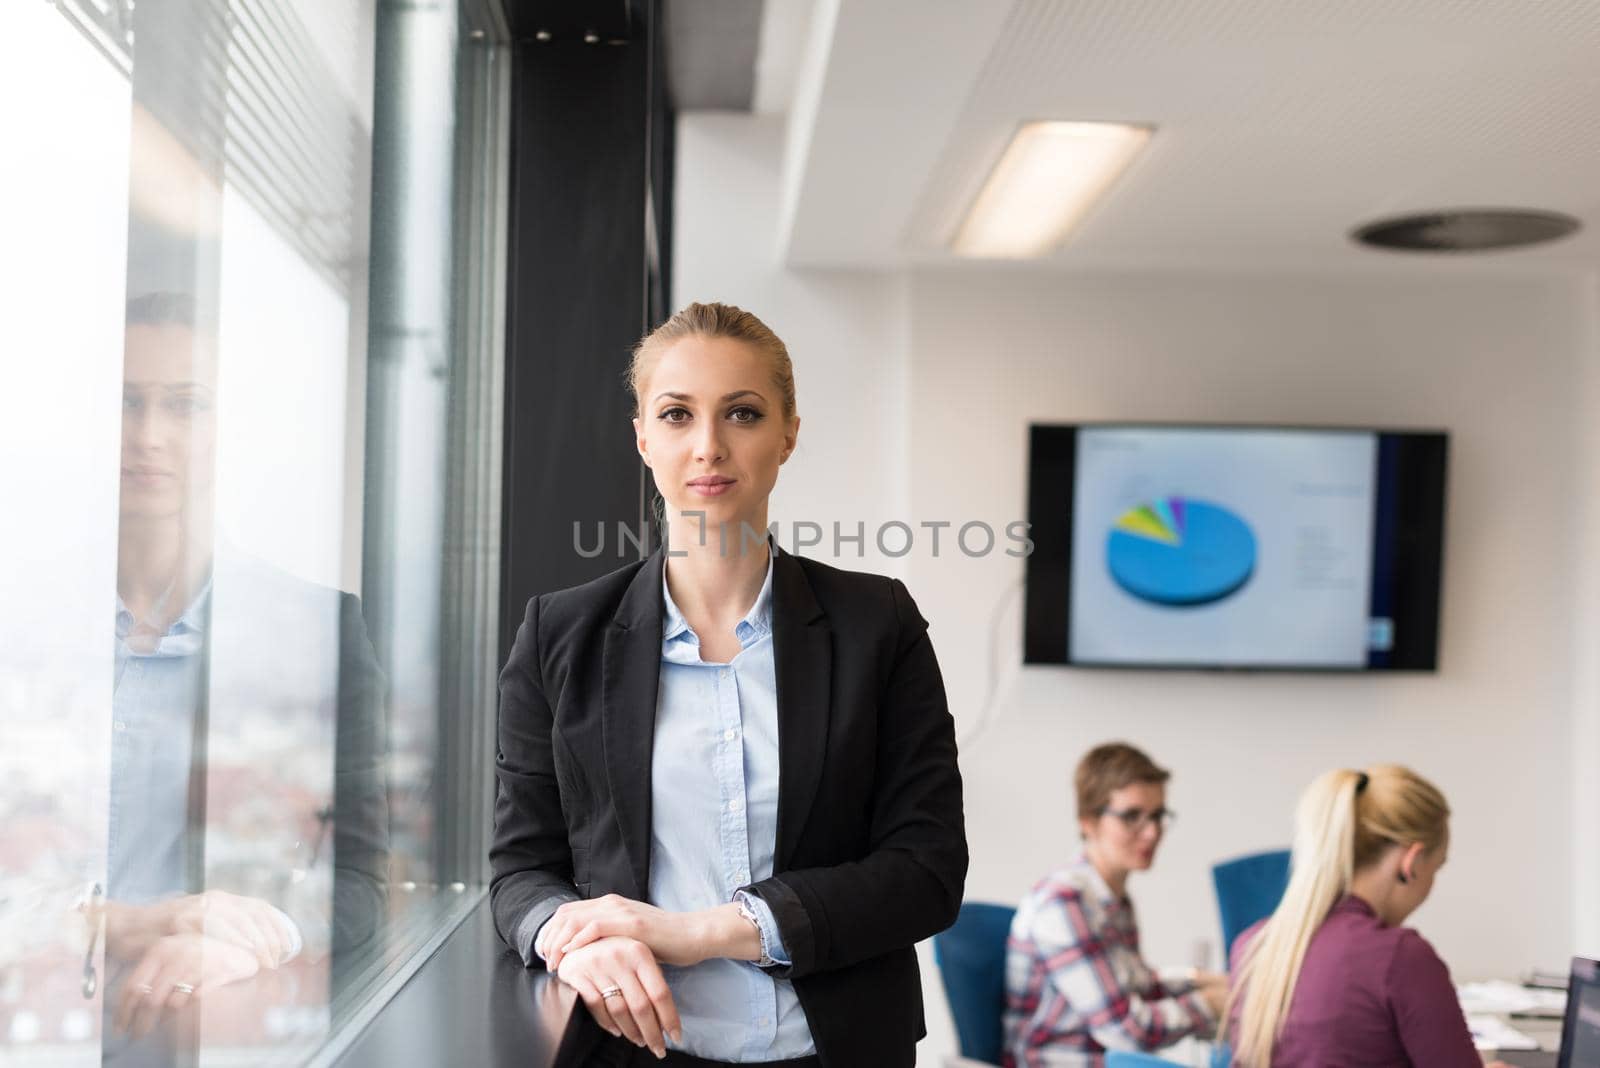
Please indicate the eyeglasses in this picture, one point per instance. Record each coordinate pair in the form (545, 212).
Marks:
(1134, 819)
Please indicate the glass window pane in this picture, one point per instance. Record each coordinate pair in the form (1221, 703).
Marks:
(64, 211)
(232, 439)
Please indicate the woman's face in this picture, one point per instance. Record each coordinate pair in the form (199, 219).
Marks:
(712, 431)
(1125, 835)
(168, 434)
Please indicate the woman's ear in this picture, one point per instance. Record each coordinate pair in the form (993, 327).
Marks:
(639, 442)
(790, 439)
(1408, 862)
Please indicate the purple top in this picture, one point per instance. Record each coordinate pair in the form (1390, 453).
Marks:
(1369, 994)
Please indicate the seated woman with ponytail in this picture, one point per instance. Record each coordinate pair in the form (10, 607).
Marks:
(1331, 978)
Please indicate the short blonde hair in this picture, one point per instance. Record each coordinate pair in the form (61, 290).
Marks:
(713, 320)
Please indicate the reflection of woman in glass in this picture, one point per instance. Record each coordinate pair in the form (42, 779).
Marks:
(169, 943)
(208, 652)
(728, 797)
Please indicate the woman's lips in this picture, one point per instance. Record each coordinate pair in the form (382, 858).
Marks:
(147, 478)
(711, 489)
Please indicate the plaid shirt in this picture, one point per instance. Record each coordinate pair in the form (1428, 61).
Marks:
(1076, 985)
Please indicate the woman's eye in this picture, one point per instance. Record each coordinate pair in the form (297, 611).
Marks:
(671, 415)
(744, 415)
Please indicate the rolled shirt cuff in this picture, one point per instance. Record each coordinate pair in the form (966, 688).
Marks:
(771, 940)
(1177, 979)
(292, 929)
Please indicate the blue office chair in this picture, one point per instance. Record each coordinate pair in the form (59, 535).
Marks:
(972, 961)
(1248, 889)
(1121, 1059)
(1220, 1056)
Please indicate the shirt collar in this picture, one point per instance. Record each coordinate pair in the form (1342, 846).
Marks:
(1355, 903)
(190, 624)
(1091, 876)
(757, 621)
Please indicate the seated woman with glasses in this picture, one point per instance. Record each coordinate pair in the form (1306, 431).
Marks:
(1076, 984)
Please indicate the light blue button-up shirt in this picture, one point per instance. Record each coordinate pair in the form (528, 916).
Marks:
(158, 685)
(714, 822)
(155, 695)
(153, 705)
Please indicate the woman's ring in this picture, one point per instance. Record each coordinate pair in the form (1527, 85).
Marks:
(145, 988)
(610, 992)
(183, 988)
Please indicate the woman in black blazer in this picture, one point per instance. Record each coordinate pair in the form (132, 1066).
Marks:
(728, 798)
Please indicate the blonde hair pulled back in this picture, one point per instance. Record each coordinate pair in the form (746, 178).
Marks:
(713, 321)
(1345, 822)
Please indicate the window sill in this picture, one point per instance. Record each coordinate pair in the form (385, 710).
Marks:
(464, 998)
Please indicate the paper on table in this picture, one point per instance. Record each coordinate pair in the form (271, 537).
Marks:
(1502, 997)
(1491, 1032)
(1547, 980)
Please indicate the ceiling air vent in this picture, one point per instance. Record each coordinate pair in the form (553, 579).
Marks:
(1467, 230)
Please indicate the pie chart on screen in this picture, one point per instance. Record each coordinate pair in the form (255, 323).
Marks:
(1180, 552)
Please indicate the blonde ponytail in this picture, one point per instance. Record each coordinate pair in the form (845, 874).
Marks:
(1344, 822)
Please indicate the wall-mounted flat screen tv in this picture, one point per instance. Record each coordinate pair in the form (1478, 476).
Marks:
(1247, 547)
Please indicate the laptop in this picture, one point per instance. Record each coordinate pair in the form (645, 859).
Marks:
(1580, 1029)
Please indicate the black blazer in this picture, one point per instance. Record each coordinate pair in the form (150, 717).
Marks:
(871, 852)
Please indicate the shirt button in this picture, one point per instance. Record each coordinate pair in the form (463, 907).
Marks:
(723, 674)
(765, 1022)
(735, 805)
(741, 876)
(730, 734)
(119, 725)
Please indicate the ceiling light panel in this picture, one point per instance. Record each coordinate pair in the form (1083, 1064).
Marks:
(1046, 181)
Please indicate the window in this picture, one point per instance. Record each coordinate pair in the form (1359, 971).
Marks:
(251, 440)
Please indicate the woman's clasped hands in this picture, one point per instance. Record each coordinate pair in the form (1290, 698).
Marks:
(184, 947)
(676, 938)
(621, 983)
(611, 950)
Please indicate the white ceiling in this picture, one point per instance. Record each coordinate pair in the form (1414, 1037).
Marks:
(1281, 124)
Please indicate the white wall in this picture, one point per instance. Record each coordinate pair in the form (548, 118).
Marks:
(1494, 363)
(917, 392)
(844, 330)
(1585, 758)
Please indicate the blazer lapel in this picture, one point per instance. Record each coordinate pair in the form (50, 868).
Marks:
(803, 656)
(630, 677)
